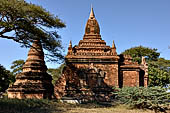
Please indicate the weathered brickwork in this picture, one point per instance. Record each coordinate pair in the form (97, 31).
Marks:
(34, 81)
(93, 68)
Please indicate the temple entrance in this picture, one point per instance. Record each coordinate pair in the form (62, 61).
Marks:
(141, 78)
(91, 78)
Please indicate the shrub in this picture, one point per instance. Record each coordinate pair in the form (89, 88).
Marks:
(5, 78)
(154, 98)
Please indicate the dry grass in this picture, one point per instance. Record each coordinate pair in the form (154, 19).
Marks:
(118, 109)
(46, 106)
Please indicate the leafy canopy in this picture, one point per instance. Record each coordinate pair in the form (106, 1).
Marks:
(137, 52)
(159, 73)
(5, 78)
(16, 66)
(24, 22)
(56, 73)
(155, 98)
(159, 68)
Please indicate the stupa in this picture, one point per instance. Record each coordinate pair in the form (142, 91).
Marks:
(34, 81)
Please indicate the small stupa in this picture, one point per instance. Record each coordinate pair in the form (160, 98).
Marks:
(33, 81)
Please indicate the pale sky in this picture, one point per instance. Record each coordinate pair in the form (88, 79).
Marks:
(128, 22)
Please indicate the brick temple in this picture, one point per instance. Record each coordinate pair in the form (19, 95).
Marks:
(33, 81)
(93, 68)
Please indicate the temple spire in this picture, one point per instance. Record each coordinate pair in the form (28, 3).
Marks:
(92, 26)
(113, 45)
(35, 60)
(91, 13)
(70, 44)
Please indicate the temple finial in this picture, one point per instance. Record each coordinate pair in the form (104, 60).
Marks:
(92, 13)
(70, 44)
(113, 45)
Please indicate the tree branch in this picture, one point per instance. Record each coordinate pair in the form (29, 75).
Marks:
(5, 31)
(9, 37)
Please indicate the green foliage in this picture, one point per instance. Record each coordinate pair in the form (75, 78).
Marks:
(24, 22)
(163, 63)
(5, 78)
(17, 66)
(159, 68)
(159, 72)
(158, 76)
(154, 98)
(137, 52)
(56, 73)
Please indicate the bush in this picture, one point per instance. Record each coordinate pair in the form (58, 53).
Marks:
(5, 78)
(154, 98)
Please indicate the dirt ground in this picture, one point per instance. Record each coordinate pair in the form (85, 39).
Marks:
(108, 110)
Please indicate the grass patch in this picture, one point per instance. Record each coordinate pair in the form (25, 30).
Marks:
(53, 106)
(27, 106)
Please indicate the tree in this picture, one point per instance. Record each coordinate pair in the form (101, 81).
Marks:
(163, 63)
(25, 22)
(17, 66)
(159, 68)
(56, 73)
(159, 73)
(137, 52)
(5, 78)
